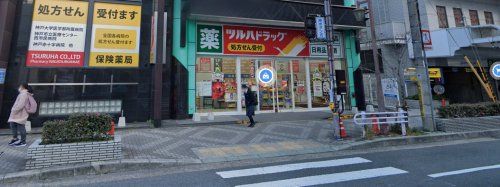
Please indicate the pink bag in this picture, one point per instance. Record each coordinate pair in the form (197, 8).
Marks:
(32, 106)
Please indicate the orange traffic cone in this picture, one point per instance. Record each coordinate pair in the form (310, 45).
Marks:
(375, 128)
(112, 131)
(343, 133)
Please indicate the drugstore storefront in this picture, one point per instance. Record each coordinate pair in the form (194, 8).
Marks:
(222, 49)
(229, 56)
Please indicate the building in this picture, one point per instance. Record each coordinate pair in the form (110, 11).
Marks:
(95, 56)
(457, 28)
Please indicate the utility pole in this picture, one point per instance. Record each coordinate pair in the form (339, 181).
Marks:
(158, 67)
(333, 89)
(420, 63)
(378, 76)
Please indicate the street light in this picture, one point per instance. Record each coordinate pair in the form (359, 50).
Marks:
(360, 14)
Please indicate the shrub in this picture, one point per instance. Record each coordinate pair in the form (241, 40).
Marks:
(78, 128)
(469, 110)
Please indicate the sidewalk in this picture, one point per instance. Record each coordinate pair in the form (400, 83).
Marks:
(181, 142)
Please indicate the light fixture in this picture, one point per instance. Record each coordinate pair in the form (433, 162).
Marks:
(360, 14)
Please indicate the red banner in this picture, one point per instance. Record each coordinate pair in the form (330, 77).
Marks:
(264, 41)
(55, 59)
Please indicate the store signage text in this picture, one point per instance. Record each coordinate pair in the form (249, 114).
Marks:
(58, 32)
(229, 39)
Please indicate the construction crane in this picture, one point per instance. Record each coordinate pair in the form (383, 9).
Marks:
(483, 79)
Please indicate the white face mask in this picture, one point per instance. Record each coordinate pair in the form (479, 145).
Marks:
(19, 89)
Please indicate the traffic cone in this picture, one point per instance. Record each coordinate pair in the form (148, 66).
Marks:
(375, 128)
(112, 130)
(343, 133)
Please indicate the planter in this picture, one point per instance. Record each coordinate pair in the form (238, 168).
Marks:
(43, 156)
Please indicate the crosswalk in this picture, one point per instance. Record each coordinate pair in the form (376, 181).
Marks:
(324, 178)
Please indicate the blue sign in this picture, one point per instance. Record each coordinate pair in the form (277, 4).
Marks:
(320, 28)
(495, 71)
(266, 75)
(2, 75)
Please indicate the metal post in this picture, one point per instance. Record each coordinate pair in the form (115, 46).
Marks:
(420, 63)
(378, 76)
(333, 90)
(158, 67)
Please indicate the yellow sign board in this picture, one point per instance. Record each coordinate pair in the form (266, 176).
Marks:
(435, 73)
(117, 14)
(115, 35)
(65, 11)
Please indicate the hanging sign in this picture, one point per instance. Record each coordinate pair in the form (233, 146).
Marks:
(115, 35)
(266, 75)
(320, 28)
(57, 36)
(435, 73)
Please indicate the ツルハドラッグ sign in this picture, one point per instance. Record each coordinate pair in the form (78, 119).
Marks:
(246, 40)
(115, 35)
(57, 34)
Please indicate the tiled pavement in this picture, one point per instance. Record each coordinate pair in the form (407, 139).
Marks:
(179, 142)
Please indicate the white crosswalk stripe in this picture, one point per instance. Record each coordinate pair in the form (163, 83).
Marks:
(325, 178)
(291, 167)
(330, 178)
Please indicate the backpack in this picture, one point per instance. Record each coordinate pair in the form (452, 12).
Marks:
(32, 106)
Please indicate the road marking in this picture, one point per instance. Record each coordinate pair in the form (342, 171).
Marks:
(291, 167)
(331, 178)
(457, 172)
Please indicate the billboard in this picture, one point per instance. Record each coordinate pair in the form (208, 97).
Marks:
(115, 35)
(58, 32)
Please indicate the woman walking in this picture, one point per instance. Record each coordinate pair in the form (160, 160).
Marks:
(19, 115)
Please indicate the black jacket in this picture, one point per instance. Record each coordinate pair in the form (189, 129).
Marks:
(250, 98)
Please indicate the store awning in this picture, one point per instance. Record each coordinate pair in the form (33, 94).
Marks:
(266, 12)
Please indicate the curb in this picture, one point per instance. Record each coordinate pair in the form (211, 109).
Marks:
(96, 168)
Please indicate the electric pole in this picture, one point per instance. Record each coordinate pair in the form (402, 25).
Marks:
(333, 89)
(378, 76)
(420, 63)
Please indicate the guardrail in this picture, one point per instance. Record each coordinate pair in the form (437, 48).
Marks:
(378, 118)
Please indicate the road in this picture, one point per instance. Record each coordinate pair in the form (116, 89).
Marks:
(470, 164)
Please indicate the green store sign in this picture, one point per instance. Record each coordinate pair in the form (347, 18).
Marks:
(209, 39)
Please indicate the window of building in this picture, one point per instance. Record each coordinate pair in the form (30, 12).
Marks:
(216, 86)
(459, 17)
(443, 19)
(489, 18)
(474, 17)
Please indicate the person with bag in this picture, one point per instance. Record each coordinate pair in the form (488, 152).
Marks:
(24, 106)
(250, 103)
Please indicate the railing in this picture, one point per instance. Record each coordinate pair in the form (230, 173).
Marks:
(384, 118)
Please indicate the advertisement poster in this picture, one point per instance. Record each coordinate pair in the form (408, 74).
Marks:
(115, 35)
(238, 40)
(57, 36)
(318, 88)
(205, 65)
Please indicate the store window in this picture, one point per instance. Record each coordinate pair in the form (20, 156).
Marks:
(299, 84)
(320, 83)
(216, 86)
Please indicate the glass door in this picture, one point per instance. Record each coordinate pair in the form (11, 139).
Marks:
(284, 85)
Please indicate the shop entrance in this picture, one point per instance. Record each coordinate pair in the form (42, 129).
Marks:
(279, 96)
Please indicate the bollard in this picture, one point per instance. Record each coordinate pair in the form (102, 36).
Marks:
(363, 121)
(196, 117)
(401, 117)
(211, 116)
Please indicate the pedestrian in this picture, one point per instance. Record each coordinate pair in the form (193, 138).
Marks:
(24, 105)
(250, 103)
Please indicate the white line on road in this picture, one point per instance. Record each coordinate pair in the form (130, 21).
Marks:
(436, 175)
(291, 167)
(331, 178)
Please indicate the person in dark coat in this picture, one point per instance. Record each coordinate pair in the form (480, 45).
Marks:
(250, 103)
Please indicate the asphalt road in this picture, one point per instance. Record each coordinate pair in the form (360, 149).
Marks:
(471, 164)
